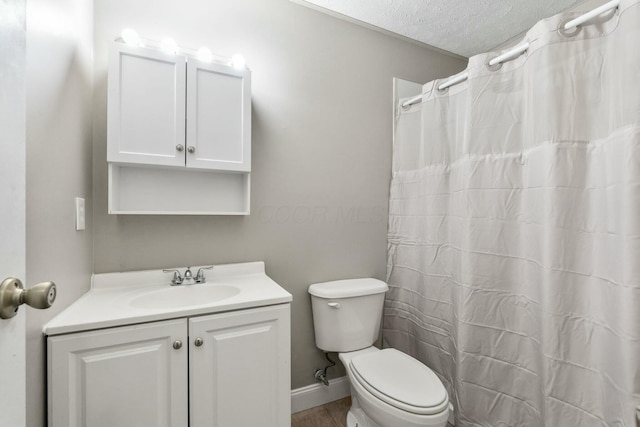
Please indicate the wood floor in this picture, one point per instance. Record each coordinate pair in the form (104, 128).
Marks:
(333, 414)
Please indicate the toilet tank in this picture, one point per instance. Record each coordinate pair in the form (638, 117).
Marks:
(347, 313)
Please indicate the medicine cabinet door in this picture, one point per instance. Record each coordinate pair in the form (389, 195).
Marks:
(146, 106)
(218, 117)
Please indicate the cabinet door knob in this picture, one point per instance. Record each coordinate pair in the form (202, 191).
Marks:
(180, 147)
(198, 342)
(191, 149)
(177, 344)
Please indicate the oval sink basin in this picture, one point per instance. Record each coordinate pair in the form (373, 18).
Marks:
(184, 296)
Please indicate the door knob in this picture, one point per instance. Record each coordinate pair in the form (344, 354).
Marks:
(177, 344)
(13, 295)
(198, 342)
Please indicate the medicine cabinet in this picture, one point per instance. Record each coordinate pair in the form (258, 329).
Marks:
(178, 134)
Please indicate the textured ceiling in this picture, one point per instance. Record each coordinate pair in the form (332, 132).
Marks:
(464, 27)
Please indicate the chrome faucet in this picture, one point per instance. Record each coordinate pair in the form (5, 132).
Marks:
(187, 278)
(177, 278)
(200, 276)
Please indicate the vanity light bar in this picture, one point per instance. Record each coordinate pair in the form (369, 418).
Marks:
(170, 47)
(205, 54)
(131, 37)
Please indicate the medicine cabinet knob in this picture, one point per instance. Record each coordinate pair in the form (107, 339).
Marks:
(198, 342)
(191, 149)
(13, 295)
(177, 344)
(180, 147)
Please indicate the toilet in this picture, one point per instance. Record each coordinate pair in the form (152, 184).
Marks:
(388, 388)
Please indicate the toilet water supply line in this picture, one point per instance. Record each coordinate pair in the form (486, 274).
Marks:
(519, 49)
(321, 374)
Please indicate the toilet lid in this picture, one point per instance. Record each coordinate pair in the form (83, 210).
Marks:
(401, 381)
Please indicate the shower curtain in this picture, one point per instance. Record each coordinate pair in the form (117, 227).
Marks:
(514, 230)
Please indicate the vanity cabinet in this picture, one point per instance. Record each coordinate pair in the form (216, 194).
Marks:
(178, 134)
(125, 376)
(226, 369)
(240, 375)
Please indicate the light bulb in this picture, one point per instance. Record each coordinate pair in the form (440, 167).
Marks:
(130, 37)
(205, 55)
(238, 62)
(169, 46)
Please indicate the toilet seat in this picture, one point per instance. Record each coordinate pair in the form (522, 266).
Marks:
(401, 381)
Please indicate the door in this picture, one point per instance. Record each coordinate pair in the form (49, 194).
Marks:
(239, 368)
(12, 207)
(133, 376)
(146, 106)
(218, 117)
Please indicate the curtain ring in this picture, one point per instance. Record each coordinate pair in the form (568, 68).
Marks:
(442, 91)
(570, 32)
(494, 67)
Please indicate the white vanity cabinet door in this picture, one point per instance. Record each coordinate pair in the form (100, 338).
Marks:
(218, 117)
(146, 106)
(240, 374)
(125, 376)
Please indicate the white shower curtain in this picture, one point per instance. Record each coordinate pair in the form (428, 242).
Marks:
(514, 231)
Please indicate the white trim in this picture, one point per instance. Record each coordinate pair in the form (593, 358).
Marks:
(317, 394)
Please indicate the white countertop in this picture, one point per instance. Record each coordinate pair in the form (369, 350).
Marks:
(111, 299)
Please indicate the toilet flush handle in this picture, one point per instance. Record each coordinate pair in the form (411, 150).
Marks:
(333, 304)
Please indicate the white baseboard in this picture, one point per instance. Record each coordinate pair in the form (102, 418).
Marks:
(318, 394)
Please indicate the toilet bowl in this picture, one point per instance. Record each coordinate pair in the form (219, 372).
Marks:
(388, 388)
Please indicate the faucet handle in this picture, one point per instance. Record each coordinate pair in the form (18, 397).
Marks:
(200, 276)
(177, 279)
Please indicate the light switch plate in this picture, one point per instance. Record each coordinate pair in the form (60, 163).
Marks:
(80, 214)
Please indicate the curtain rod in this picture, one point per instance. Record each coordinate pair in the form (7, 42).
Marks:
(591, 14)
(520, 49)
(409, 102)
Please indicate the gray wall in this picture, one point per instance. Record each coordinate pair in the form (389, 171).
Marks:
(59, 168)
(322, 130)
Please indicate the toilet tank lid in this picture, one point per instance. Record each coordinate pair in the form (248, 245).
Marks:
(348, 288)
